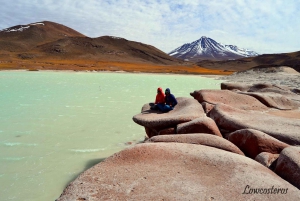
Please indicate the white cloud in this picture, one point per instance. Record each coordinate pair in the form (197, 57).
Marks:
(264, 26)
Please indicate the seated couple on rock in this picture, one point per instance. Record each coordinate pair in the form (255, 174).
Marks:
(164, 101)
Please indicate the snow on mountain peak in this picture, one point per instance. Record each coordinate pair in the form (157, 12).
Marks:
(37, 23)
(208, 48)
(20, 28)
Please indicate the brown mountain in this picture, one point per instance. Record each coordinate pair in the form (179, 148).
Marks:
(26, 37)
(56, 41)
(266, 60)
(105, 48)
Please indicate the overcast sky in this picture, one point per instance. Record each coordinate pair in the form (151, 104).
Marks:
(264, 26)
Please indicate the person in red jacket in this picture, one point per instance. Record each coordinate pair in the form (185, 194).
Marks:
(160, 96)
(159, 100)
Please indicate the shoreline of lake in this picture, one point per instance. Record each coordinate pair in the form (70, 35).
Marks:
(215, 76)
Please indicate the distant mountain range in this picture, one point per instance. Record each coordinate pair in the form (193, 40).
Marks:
(49, 45)
(52, 40)
(208, 49)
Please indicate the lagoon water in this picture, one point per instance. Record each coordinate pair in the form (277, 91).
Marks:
(54, 125)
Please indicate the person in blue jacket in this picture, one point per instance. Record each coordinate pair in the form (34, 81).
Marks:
(170, 100)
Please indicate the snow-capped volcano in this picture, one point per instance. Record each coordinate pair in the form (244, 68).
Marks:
(207, 48)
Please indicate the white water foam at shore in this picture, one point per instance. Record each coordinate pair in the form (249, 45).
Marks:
(13, 158)
(11, 144)
(86, 150)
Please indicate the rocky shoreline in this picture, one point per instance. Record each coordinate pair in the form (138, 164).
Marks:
(241, 142)
(284, 76)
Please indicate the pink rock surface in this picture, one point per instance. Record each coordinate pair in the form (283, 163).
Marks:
(271, 95)
(288, 165)
(275, 100)
(239, 101)
(259, 87)
(235, 86)
(186, 110)
(199, 138)
(177, 171)
(268, 87)
(253, 142)
(199, 125)
(281, 128)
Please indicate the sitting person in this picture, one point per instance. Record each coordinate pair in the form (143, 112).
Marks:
(159, 100)
(170, 100)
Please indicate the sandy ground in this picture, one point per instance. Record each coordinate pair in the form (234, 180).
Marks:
(285, 76)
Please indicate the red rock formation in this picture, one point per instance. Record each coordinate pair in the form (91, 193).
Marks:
(199, 125)
(274, 96)
(275, 100)
(253, 142)
(186, 110)
(288, 165)
(281, 128)
(239, 101)
(177, 171)
(267, 159)
(199, 138)
(235, 86)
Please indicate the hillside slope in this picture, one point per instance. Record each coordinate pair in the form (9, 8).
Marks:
(26, 37)
(266, 60)
(48, 40)
(106, 48)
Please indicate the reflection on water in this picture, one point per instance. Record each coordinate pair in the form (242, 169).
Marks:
(54, 125)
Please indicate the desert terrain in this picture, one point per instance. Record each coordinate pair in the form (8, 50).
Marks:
(51, 46)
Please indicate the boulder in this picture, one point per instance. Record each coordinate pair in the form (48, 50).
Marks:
(275, 100)
(268, 87)
(186, 110)
(236, 100)
(178, 171)
(253, 142)
(260, 87)
(199, 125)
(267, 159)
(199, 138)
(235, 86)
(288, 165)
(271, 95)
(281, 128)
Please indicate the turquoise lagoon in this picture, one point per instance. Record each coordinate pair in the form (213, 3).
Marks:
(54, 125)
